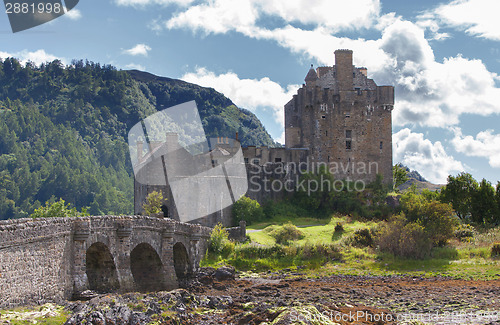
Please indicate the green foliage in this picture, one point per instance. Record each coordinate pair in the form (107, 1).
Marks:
(248, 210)
(63, 131)
(153, 203)
(464, 232)
(495, 250)
(404, 239)
(339, 227)
(362, 238)
(435, 217)
(286, 233)
(218, 239)
(57, 209)
(399, 175)
(484, 208)
(459, 192)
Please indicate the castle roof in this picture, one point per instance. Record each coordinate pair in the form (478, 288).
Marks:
(311, 75)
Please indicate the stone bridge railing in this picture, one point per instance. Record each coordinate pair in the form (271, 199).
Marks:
(55, 258)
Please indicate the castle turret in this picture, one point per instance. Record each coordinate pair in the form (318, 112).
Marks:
(311, 77)
(344, 69)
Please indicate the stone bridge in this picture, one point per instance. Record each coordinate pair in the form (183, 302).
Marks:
(54, 259)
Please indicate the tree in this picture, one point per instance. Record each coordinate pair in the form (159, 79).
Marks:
(484, 204)
(399, 175)
(153, 203)
(248, 210)
(459, 192)
(57, 209)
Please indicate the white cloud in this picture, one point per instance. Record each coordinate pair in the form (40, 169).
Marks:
(476, 17)
(143, 3)
(38, 57)
(221, 16)
(429, 159)
(139, 49)
(134, 66)
(486, 144)
(73, 14)
(246, 93)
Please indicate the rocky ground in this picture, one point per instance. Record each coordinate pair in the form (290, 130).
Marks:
(220, 297)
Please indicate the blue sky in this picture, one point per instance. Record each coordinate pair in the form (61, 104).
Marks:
(443, 57)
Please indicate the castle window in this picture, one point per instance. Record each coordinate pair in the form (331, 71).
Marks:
(277, 160)
(347, 114)
(255, 161)
(348, 145)
(348, 134)
(381, 145)
(358, 90)
(328, 158)
(246, 160)
(354, 74)
(323, 116)
(326, 133)
(323, 107)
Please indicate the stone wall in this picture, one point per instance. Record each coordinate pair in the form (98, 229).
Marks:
(45, 260)
(35, 261)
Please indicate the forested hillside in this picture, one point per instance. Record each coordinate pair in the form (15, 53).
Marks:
(63, 131)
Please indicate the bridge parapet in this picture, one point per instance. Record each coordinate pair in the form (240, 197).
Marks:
(51, 259)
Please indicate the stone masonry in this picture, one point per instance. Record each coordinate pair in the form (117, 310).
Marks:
(48, 260)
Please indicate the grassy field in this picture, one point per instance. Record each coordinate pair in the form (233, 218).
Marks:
(459, 259)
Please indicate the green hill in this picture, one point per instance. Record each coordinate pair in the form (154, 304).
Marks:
(63, 131)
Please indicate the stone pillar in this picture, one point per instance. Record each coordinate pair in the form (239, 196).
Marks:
(344, 69)
(167, 258)
(80, 236)
(243, 230)
(122, 258)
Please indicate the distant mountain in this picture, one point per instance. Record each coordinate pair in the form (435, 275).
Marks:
(414, 177)
(63, 131)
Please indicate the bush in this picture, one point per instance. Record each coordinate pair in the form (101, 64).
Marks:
(495, 250)
(404, 239)
(464, 232)
(339, 227)
(328, 251)
(436, 217)
(247, 209)
(286, 233)
(219, 239)
(153, 203)
(57, 209)
(362, 238)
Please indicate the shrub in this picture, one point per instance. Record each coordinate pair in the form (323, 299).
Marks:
(495, 250)
(320, 250)
(57, 209)
(403, 238)
(362, 238)
(247, 209)
(286, 233)
(464, 232)
(219, 239)
(153, 203)
(339, 227)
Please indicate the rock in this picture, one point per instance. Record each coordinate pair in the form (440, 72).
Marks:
(225, 273)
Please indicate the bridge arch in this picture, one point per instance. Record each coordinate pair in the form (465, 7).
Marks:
(101, 269)
(147, 268)
(181, 261)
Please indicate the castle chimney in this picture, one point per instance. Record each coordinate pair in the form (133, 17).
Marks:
(172, 141)
(140, 148)
(345, 71)
(364, 71)
(236, 137)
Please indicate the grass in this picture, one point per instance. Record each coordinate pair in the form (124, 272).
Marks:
(466, 260)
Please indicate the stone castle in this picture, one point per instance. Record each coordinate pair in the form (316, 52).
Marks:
(339, 119)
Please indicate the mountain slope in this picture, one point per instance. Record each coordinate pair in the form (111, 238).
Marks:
(63, 131)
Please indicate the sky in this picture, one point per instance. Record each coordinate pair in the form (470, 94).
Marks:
(442, 57)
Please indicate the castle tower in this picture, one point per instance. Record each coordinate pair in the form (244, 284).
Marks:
(344, 119)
